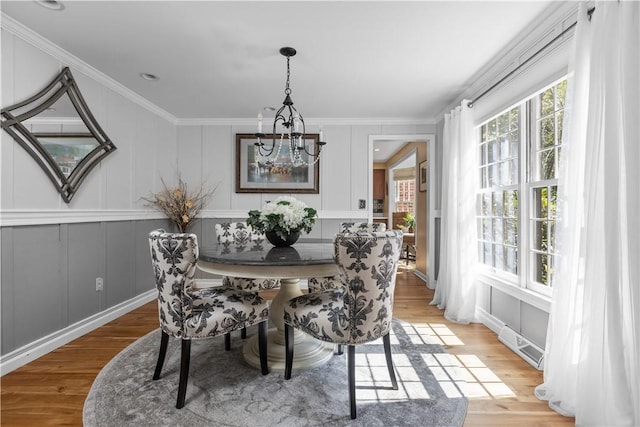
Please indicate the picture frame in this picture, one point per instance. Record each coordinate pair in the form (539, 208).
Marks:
(252, 177)
(422, 176)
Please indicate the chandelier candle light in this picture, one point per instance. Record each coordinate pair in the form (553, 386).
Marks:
(292, 125)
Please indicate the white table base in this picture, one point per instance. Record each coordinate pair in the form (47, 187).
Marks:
(308, 352)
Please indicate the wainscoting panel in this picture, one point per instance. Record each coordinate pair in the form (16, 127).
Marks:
(119, 251)
(85, 263)
(49, 274)
(36, 293)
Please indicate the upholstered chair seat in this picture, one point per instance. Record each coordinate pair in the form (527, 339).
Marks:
(358, 312)
(190, 314)
(333, 282)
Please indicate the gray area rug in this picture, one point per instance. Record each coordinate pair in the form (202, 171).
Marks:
(224, 391)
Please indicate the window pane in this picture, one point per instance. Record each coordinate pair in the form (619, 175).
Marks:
(511, 264)
(498, 257)
(561, 93)
(505, 151)
(491, 129)
(486, 204)
(547, 132)
(540, 239)
(503, 124)
(511, 235)
(511, 204)
(493, 151)
(540, 202)
(497, 230)
(486, 256)
(514, 118)
(497, 204)
(540, 271)
(553, 200)
(486, 229)
(547, 164)
(559, 124)
(546, 102)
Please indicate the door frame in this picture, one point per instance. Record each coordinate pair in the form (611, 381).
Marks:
(429, 140)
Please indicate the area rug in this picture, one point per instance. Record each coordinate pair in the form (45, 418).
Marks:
(224, 391)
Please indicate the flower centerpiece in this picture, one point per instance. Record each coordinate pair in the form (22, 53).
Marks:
(283, 220)
(181, 205)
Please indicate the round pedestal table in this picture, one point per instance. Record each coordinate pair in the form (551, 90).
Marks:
(307, 258)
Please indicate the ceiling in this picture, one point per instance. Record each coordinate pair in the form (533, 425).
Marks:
(356, 60)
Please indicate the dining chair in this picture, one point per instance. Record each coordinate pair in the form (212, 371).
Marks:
(360, 311)
(331, 282)
(190, 314)
(241, 235)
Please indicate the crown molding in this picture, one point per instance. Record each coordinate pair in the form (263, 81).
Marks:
(546, 26)
(40, 42)
(326, 121)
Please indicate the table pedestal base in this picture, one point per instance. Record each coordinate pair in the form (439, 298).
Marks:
(308, 352)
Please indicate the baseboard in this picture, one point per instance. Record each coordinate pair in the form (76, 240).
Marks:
(420, 275)
(489, 320)
(42, 346)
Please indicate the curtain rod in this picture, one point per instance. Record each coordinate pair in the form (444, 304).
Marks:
(570, 27)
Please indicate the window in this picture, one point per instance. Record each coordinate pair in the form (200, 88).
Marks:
(405, 194)
(518, 154)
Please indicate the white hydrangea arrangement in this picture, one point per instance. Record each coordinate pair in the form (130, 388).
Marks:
(283, 216)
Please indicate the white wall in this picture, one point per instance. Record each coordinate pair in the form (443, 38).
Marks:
(145, 141)
(207, 153)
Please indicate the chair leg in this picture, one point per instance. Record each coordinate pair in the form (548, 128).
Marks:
(351, 363)
(243, 333)
(339, 349)
(288, 345)
(164, 340)
(387, 354)
(227, 341)
(184, 372)
(262, 345)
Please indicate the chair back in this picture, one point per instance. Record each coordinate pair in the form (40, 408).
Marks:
(174, 257)
(368, 263)
(239, 233)
(362, 227)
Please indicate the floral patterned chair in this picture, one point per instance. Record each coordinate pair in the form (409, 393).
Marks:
(332, 282)
(191, 314)
(239, 234)
(358, 312)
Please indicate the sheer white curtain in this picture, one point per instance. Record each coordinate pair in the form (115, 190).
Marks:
(592, 361)
(455, 290)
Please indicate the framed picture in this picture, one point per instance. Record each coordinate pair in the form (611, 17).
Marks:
(423, 176)
(279, 176)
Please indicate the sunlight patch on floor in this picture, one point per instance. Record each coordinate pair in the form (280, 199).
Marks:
(457, 375)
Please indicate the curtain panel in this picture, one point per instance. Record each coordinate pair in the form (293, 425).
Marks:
(455, 290)
(592, 359)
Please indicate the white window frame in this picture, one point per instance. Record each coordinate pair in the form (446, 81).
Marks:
(522, 285)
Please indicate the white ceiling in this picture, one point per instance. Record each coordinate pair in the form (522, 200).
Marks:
(220, 59)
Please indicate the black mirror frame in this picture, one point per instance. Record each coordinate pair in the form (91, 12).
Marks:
(61, 85)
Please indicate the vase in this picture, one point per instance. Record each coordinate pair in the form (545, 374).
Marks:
(278, 241)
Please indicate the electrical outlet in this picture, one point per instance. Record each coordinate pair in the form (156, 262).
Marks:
(362, 204)
(99, 284)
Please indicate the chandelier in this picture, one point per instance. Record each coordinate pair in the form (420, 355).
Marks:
(289, 125)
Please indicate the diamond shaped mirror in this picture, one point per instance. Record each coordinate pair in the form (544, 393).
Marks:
(59, 132)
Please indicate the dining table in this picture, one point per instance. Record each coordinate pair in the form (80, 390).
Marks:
(260, 259)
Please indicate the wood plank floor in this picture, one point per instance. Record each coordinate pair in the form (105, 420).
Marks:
(52, 389)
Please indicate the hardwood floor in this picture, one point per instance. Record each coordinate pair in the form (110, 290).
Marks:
(52, 389)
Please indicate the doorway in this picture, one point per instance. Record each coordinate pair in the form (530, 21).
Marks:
(408, 151)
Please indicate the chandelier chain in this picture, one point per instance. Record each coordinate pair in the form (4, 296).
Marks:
(288, 89)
